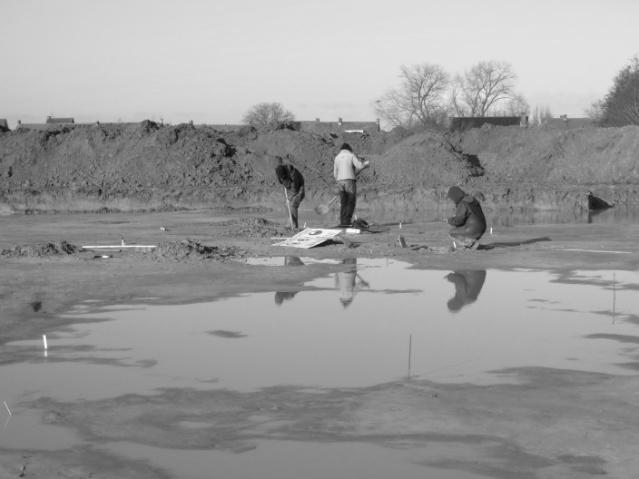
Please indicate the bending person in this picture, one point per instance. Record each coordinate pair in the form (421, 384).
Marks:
(469, 222)
(293, 181)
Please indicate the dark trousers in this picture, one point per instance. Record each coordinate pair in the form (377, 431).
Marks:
(347, 190)
(294, 203)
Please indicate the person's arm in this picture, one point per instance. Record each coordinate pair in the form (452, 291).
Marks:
(358, 164)
(461, 214)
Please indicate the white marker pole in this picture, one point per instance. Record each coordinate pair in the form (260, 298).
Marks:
(44, 342)
(8, 410)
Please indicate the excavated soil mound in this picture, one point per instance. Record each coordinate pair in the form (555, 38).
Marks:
(151, 166)
(39, 250)
(127, 166)
(253, 228)
(189, 249)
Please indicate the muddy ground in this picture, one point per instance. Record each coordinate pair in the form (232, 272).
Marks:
(553, 424)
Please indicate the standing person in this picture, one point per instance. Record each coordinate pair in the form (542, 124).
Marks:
(345, 169)
(293, 181)
(469, 222)
(347, 282)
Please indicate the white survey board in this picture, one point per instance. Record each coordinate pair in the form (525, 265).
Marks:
(311, 237)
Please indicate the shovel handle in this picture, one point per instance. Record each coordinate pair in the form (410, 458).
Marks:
(288, 206)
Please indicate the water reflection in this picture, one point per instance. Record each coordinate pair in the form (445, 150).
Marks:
(246, 342)
(348, 282)
(468, 284)
(281, 296)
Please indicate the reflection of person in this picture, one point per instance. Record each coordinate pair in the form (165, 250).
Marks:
(347, 282)
(293, 261)
(281, 296)
(468, 285)
(469, 222)
(345, 169)
(293, 181)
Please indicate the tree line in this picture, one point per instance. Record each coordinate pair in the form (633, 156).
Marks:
(427, 95)
(620, 106)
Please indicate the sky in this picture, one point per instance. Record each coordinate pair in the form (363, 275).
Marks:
(209, 61)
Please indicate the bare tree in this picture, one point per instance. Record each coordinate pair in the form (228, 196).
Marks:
(419, 99)
(482, 87)
(596, 111)
(267, 115)
(621, 105)
(515, 106)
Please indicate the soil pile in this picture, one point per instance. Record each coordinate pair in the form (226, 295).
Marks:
(61, 248)
(583, 156)
(254, 228)
(160, 165)
(555, 169)
(189, 249)
(151, 166)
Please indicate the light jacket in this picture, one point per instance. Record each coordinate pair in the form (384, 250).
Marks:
(346, 165)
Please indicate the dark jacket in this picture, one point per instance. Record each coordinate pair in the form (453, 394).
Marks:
(468, 285)
(468, 213)
(290, 177)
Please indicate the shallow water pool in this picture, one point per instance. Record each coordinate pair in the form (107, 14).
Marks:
(368, 322)
(372, 322)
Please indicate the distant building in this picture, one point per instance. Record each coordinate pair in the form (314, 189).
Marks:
(339, 126)
(50, 123)
(59, 121)
(467, 122)
(318, 127)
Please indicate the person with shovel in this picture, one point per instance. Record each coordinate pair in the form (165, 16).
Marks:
(293, 182)
(345, 169)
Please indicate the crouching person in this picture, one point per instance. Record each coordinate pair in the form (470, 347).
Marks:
(469, 222)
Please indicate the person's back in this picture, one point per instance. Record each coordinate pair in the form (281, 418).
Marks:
(469, 222)
(283, 175)
(476, 219)
(344, 165)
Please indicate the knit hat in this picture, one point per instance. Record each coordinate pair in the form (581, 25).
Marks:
(456, 194)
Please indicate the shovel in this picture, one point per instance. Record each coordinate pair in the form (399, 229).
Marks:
(288, 205)
(325, 208)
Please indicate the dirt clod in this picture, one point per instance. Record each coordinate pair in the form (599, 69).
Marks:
(255, 227)
(189, 249)
(40, 250)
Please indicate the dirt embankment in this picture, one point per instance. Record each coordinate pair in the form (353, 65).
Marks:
(152, 166)
(547, 167)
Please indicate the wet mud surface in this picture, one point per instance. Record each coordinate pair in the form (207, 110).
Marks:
(550, 423)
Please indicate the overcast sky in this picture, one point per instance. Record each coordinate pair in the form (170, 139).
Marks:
(211, 60)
